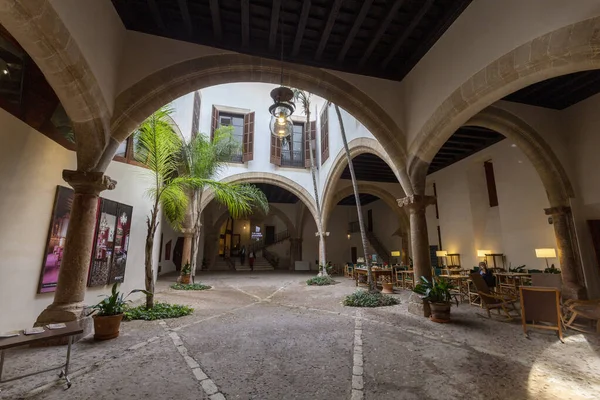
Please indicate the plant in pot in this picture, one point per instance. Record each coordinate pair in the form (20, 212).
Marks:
(437, 293)
(109, 313)
(186, 273)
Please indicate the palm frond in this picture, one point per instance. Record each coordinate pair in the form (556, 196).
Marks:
(174, 202)
(240, 199)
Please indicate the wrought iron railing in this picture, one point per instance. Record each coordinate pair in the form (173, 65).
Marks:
(237, 157)
(292, 159)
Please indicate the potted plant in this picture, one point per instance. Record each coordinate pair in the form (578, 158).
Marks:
(437, 293)
(186, 273)
(109, 311)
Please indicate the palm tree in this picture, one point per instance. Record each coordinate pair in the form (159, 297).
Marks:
(304, 99)
(159, 148)
(357, 199)
(204, 159)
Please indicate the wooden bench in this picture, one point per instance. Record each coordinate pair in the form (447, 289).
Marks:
(72, 329)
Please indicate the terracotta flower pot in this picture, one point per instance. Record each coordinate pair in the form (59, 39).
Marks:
(388, 288)
(440, 312)
(107, 327)
(185, 279)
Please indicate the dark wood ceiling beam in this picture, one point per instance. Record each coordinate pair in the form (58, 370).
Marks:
(274, 24)
(301, 27)
(364, 10)
(474, 136)
(185, 14)
(156, 15)
(215, 14)
(382, 28)
(407, 32)
(245, 23)
(459, 148)
(574, 89)
(333, 13)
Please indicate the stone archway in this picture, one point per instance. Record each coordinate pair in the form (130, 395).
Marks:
(554, 178)
(272, 211)
(357, 146)
(40, 31)
(273, 179)
(135, 104)
(570, 49)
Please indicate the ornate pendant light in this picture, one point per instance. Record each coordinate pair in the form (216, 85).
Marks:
(283, 107)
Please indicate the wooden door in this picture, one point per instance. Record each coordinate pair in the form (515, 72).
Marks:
(269, 234)
(370, 220)
(353, 254)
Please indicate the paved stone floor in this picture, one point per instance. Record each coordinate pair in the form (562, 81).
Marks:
(269, 336)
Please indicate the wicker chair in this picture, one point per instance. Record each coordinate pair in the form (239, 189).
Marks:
(491, 300)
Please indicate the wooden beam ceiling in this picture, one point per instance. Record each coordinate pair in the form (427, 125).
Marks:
(156, 15)
(333, 13)
(391, 14)
(274, 24)
(364, 10)
(216, 19)
(301, 27)
(185, 15)
(245, 22)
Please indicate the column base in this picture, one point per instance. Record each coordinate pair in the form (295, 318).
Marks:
(55, 313)
(417, 306)
(574, 291)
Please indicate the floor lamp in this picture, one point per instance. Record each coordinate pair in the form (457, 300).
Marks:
(545, 253)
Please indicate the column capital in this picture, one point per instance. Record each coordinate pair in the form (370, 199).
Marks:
(188, 232)
(416, 202)
(88, 182)
(560, 210)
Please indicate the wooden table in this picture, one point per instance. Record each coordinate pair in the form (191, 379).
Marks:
(377, 273)
(73, 328)
(509, 282)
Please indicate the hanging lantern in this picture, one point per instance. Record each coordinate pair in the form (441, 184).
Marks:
(281, 112)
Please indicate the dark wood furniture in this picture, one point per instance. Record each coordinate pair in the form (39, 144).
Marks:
(72, 329)
(491, 300)
(377, 273)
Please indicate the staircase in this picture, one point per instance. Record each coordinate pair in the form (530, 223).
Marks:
(260, 264)
(379, 248)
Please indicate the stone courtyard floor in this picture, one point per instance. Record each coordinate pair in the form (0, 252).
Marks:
(269, 336)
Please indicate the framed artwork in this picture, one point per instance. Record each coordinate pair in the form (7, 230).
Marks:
(111, 243)
(55, 244)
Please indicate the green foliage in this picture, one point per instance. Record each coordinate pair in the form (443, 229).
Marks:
(113, 304)
(363, 298)
(159, 311)
(552, 270)
(320, 281)
(202, 159)
(190, 286)
(434, 291)
(186, 269)
(520, 268)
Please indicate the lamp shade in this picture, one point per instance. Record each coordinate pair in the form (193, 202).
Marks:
(396, 253)
(441, 253)
(545, 253)
(482, 253)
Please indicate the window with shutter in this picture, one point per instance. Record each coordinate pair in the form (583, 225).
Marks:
(324, 134)
(248, 140)
(214, 122)
(310, 135)
(275, 150)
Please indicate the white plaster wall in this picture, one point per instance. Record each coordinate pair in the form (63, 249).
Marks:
(30, 169)
(100, 34)
(515, 227)
(485, 31)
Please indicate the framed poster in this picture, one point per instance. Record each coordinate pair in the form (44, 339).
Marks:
(55, 244)
(111, 243)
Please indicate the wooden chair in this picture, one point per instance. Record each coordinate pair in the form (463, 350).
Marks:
(491, 300)
(586, 309)
(540, 308)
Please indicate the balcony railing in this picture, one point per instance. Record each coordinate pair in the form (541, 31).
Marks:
(292, 159)
(237, 157)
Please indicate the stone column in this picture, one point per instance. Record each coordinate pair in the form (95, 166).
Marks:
(295, 252)
(416, 206)
(566, 243)
(188, 235)
(73, 274)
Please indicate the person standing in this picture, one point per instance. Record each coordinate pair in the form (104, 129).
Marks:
(251, 258)
(243, 255)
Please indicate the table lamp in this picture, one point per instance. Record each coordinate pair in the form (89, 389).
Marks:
(545, 253)
(396, 254)
(442, 254)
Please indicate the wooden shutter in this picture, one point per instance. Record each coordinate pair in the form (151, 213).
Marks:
(308, 135)
(491, 183)
(214, 122)
(275, 150)
(324, 134)
(248, 140)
